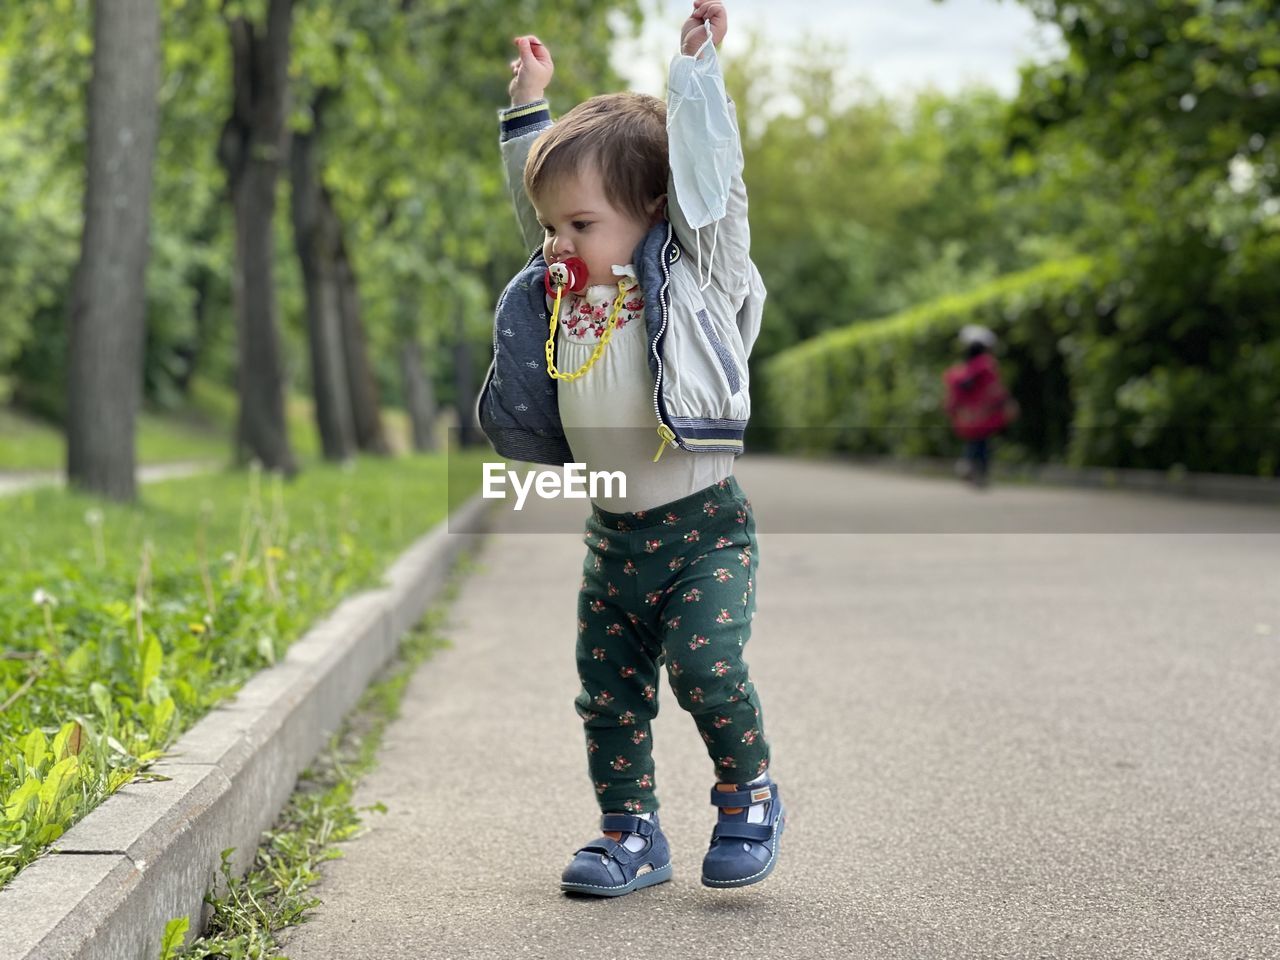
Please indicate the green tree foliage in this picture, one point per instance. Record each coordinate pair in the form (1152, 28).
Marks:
(45, 59)
(864, 205)
(1162, 121)
(411, 155)
(45, 51)
(1151, 146)
(190, 327)
(411, 159)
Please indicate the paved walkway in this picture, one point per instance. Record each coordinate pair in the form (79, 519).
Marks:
(1021, 744)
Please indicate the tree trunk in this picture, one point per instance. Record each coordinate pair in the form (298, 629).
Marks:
(108, 299)
(253, 142)
(202, 279)
(365, 405)
(464, 392)
(317, 242)
(419, 397)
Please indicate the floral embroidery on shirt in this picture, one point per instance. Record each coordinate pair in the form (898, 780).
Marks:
(586, 315)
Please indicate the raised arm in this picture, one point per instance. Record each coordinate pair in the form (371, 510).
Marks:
(528, 115)
(696, 87)
(693, 32)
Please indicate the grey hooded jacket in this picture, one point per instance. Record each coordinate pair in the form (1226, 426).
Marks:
(699, 339)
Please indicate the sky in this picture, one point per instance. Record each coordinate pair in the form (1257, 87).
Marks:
(900, 45)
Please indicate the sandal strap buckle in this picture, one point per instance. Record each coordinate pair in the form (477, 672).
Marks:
(745, 796)
(737, 830)
(625, 823)
(610, 848)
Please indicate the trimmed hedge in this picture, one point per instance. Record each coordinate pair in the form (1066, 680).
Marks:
(1089, 394)
(876, 387)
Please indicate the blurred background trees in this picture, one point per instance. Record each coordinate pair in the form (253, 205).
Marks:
(1149, 146)
(1179, 105)
(394, 236)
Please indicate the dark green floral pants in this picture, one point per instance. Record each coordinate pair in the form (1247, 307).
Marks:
(675, 584)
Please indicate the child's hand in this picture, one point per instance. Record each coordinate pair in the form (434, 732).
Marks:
(532, 68)
(694, 32)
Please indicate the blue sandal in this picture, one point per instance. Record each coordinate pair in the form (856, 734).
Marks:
(743, 853)
(605, 868)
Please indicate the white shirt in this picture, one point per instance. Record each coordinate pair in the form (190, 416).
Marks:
(608, 414)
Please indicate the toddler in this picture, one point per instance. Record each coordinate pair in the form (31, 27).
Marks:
(614, 337)
(977, 402)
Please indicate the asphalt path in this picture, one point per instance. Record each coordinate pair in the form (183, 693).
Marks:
(996, 737)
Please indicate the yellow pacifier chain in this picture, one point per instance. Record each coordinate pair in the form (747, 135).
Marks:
(604, 339)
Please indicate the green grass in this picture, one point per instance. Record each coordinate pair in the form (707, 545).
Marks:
(124, 625)
(30, 444)
(249, 912)
(216, 405)
(171, 440)
(201, 431)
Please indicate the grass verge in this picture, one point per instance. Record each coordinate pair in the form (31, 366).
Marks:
(29, 444)
(274, 894)
(202, 431)
(125, 625)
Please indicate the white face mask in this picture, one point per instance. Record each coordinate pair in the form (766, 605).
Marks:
(703, 143)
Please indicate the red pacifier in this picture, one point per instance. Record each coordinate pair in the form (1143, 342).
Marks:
(568, 275)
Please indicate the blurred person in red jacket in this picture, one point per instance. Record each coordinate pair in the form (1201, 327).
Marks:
(977, 403)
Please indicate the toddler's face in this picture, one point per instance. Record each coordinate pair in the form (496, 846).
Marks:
(579, 221)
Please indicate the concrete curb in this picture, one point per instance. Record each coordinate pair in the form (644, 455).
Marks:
(152, 851)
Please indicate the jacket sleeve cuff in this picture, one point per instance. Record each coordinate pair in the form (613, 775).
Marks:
(523, 119)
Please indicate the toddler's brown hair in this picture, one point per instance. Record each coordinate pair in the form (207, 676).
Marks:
(625, 134)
